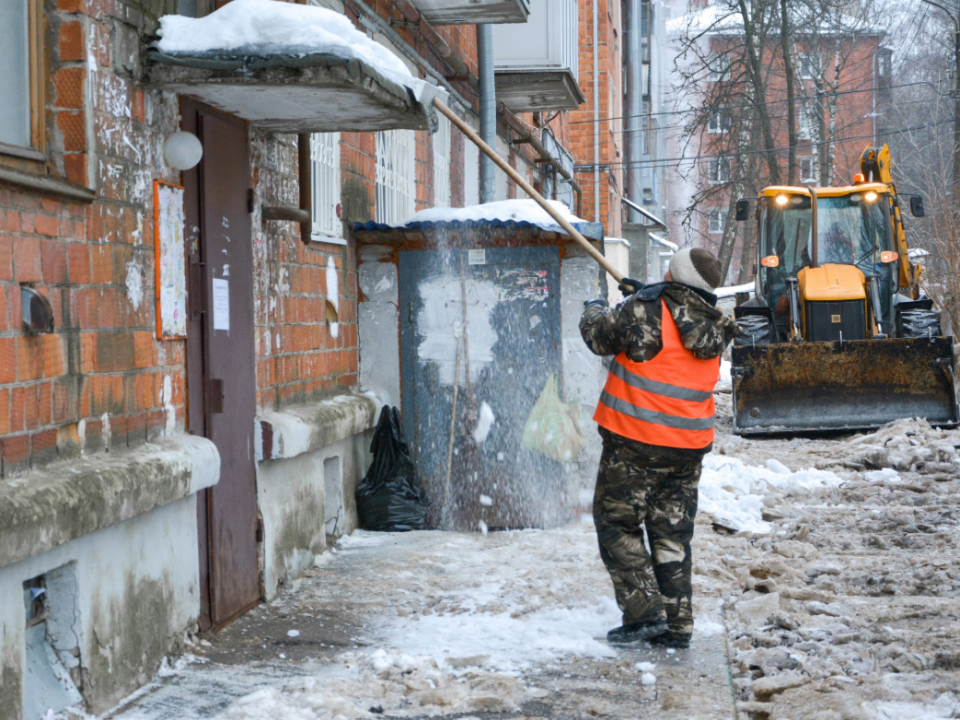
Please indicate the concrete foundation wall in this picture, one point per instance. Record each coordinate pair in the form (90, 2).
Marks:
(137, 591)
(304, 498)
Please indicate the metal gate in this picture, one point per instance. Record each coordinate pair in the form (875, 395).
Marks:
(221, 369)
(513, 335)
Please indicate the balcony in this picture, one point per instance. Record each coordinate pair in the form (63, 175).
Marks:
(472, 12)
(537, 63)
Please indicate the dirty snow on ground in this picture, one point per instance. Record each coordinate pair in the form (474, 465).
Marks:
(266, 27)
(733, 493)
(520, 211)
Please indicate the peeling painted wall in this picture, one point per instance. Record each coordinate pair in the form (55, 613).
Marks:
(583, 372)
(137, 592)
(378, 318)
(291, 495)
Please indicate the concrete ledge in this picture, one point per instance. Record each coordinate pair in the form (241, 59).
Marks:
(62, 502)
(305, 428)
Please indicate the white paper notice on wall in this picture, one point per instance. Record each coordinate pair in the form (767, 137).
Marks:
(221, 304)
(477, 257)
(171, 280)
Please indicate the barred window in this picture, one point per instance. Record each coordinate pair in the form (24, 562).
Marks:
(325, 162)
(396, 176)
(441, 164)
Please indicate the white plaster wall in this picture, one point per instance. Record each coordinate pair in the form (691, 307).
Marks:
(378, 318)
(142, 573)
(291, 494)
(583, 372)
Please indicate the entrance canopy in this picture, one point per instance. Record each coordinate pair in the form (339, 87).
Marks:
(289, 68)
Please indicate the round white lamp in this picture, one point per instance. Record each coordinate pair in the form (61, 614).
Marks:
(182, 150)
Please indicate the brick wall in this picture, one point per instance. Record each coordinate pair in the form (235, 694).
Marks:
(580, 124)
(100, 381)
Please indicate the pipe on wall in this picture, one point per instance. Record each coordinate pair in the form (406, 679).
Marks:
(442, 48)
(596, 113)
(488, 112)
(634, 108)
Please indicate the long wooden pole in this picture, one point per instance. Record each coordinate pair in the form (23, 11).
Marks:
(528, 188)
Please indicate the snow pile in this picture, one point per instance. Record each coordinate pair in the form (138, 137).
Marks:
(945, 706)
(266, 27)
(909, 444)
(382, 683)
(733, 492)
(519, 211)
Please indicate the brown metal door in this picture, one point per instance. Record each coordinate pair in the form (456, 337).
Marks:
(220, 356)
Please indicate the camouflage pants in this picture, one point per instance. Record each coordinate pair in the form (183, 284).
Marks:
(645, 486)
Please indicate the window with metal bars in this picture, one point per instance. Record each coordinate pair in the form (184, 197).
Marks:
(325, 162)
(396, 176)
(441, 164)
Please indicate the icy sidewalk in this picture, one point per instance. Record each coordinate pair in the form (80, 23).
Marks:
(422, 624)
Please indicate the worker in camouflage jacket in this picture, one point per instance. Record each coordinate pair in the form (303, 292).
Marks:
(656, 420)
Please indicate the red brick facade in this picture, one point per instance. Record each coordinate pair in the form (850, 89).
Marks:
(102, 381)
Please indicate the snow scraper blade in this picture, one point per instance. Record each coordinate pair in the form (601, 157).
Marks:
(853, 385)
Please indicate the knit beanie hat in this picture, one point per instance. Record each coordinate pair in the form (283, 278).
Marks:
(697, 268)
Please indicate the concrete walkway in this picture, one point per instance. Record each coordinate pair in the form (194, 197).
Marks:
(423, 624)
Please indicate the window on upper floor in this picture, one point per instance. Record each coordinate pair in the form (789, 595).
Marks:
(396, 180)
(325, 165)
(441, 164)
(808, 169)
(718, 66)
(718, 170)
(719, 122)
(810, 64)
(718, 220)
(21, 87)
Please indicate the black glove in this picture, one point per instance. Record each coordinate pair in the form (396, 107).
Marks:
(629, 287)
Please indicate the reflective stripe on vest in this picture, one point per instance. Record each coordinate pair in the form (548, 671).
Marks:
(665, 401)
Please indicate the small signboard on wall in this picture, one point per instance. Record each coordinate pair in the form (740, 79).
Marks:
(171, 271)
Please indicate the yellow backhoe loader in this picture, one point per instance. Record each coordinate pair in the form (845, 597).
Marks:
(838, 336)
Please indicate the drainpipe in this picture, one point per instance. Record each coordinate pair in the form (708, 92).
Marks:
(488, 112)
(596, 113)
(634, 108)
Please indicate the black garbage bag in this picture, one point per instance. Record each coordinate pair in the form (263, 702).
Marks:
(390, 497)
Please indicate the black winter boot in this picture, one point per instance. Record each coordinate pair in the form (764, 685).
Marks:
(670, 640)
(626, 634)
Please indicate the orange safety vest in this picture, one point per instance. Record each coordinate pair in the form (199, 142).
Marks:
(665, 401)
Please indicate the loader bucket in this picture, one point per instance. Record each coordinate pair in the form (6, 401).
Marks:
(853, 385)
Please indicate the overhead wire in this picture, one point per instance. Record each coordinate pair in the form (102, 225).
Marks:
(749, 105)
(734, 155)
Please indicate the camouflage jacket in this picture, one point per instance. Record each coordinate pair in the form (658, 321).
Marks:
(633, 326)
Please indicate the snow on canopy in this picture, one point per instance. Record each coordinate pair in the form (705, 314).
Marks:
(269, 27)
(506, 211)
